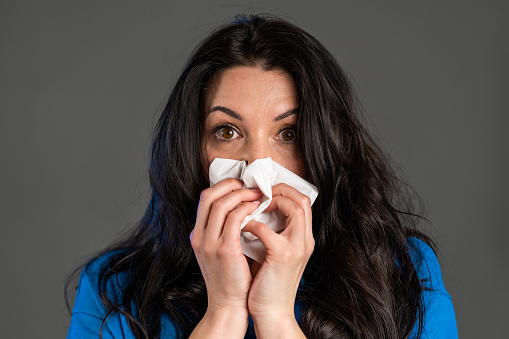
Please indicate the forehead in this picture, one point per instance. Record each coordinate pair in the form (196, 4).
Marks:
(247, 85)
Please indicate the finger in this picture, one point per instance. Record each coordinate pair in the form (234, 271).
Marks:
(296, 219)
(277, 247)
(221, 208)
(293, 194)
(231, 230)
(268, 237)
(207, 197)
(211, 194)
(300, 199)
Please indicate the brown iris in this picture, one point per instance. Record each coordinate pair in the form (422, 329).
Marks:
(288, 135)
(227, 133)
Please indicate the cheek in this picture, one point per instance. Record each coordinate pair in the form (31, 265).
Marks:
(294, 162)
(215, 149)
(299, 165)
(300, 168)
(211, 150)
(208, 155)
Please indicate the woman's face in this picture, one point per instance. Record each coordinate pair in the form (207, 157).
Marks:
(252, 114)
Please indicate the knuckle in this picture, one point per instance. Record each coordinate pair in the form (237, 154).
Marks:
(232, 182)
(218, 205)
(305, 201)
(195, 241)
(208, 250)
(205, 194)
(223, 252)
(235, 217)
(281, 187)
(194, 244)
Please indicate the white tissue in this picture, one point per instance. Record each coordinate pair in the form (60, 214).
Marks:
(262, 174)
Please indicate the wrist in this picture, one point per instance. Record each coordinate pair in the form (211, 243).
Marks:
(229, 316)
(277, 326)
(222, 323)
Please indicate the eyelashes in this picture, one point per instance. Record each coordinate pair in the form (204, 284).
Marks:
(228, 133)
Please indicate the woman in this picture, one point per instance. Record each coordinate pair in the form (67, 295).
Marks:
(350, 266)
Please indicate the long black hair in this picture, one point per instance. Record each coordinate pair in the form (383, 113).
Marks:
(359, 282)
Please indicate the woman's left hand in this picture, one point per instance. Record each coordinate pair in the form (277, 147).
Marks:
(272, 295)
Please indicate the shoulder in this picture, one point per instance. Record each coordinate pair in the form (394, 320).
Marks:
(426, 264)
(439, 317)
(89, 283)
(89, 311)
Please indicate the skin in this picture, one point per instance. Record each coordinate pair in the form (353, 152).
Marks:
(251, 114)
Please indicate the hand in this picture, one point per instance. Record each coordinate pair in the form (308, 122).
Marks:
(216, 244)
(272, 296)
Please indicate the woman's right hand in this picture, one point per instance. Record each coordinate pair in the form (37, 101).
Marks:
(216, 244)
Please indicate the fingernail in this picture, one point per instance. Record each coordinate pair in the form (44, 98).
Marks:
(257, 202)
(256, 190)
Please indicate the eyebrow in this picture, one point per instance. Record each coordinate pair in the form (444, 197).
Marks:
(286, 114)
(228, 111)
(237, 116)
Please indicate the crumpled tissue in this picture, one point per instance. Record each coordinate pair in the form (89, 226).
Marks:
(262, 174)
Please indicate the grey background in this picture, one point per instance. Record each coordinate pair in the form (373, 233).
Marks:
(82, 84)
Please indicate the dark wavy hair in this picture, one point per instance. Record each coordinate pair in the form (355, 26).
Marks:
(359, 281)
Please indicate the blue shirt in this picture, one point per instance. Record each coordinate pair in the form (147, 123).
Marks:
(88, 311)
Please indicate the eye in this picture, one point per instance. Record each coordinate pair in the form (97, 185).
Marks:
(287, 134)
(226, 133)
